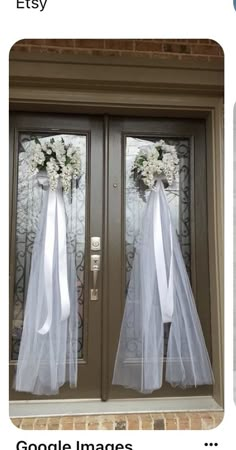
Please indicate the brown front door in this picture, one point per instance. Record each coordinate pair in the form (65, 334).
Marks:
(85, 221)
(188, 204)
(107, 206)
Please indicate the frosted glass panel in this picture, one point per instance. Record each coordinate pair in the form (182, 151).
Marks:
(178, 196)
(29, 197)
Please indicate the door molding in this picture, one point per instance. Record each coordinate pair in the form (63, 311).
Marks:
(109, 84)
(114, 85)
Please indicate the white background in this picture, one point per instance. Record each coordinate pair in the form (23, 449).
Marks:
(206, 19)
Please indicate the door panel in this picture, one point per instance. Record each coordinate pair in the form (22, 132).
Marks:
(105, 203)
(189, 212)
(84, 219)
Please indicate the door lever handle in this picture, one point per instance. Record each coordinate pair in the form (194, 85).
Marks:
(95, 265)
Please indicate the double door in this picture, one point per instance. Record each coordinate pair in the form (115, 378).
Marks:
(105, 212)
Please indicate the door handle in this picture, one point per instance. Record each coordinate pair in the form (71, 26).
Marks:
(95, 265)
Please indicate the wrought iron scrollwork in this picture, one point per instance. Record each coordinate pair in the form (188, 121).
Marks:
(29, 198)
(178, 196)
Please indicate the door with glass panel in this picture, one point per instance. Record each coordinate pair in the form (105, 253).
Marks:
(187, 199)
(104, 204)
(84, 220)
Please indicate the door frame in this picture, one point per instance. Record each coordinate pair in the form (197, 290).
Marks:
(140, 87)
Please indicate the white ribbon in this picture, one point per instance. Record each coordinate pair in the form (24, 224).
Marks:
(165, 283)
(55, 217)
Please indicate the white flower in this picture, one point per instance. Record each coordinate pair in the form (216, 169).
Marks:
(58, 159)
(158, 159)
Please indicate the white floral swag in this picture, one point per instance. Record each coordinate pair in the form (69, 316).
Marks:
(58, 159)
(157, 160)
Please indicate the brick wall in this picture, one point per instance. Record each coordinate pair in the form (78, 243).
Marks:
(152, 421)
(203, 49)
(190, 49)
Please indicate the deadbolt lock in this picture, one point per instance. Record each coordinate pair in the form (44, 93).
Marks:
(95, 243)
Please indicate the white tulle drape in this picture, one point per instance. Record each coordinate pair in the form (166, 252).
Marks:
(140, 354)
(48, 350)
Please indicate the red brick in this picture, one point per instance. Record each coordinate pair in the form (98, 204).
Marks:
(106, 424)
(66, 423)
(89, 43)
(177, 48)
(152, 421)
(195, 421)
(148, 46)
(119, 44)
(176, 41)
(218, 416)
(207, 422)
(197, 49)
(120, 424)
(33, 42)
(60, 42)
(41, 423)
(171, 422)
(93, 424)
(80, 423)
(146, 422)
(210, 50)
(21, 48)
(133, 422)
(27, 424)
(16, 422)
(53, 423)
(184, 422)
(158, 424)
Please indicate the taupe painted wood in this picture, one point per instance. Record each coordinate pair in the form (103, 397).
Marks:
(194, 130)
(107, 72)
(104, 84)
(89, 373)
